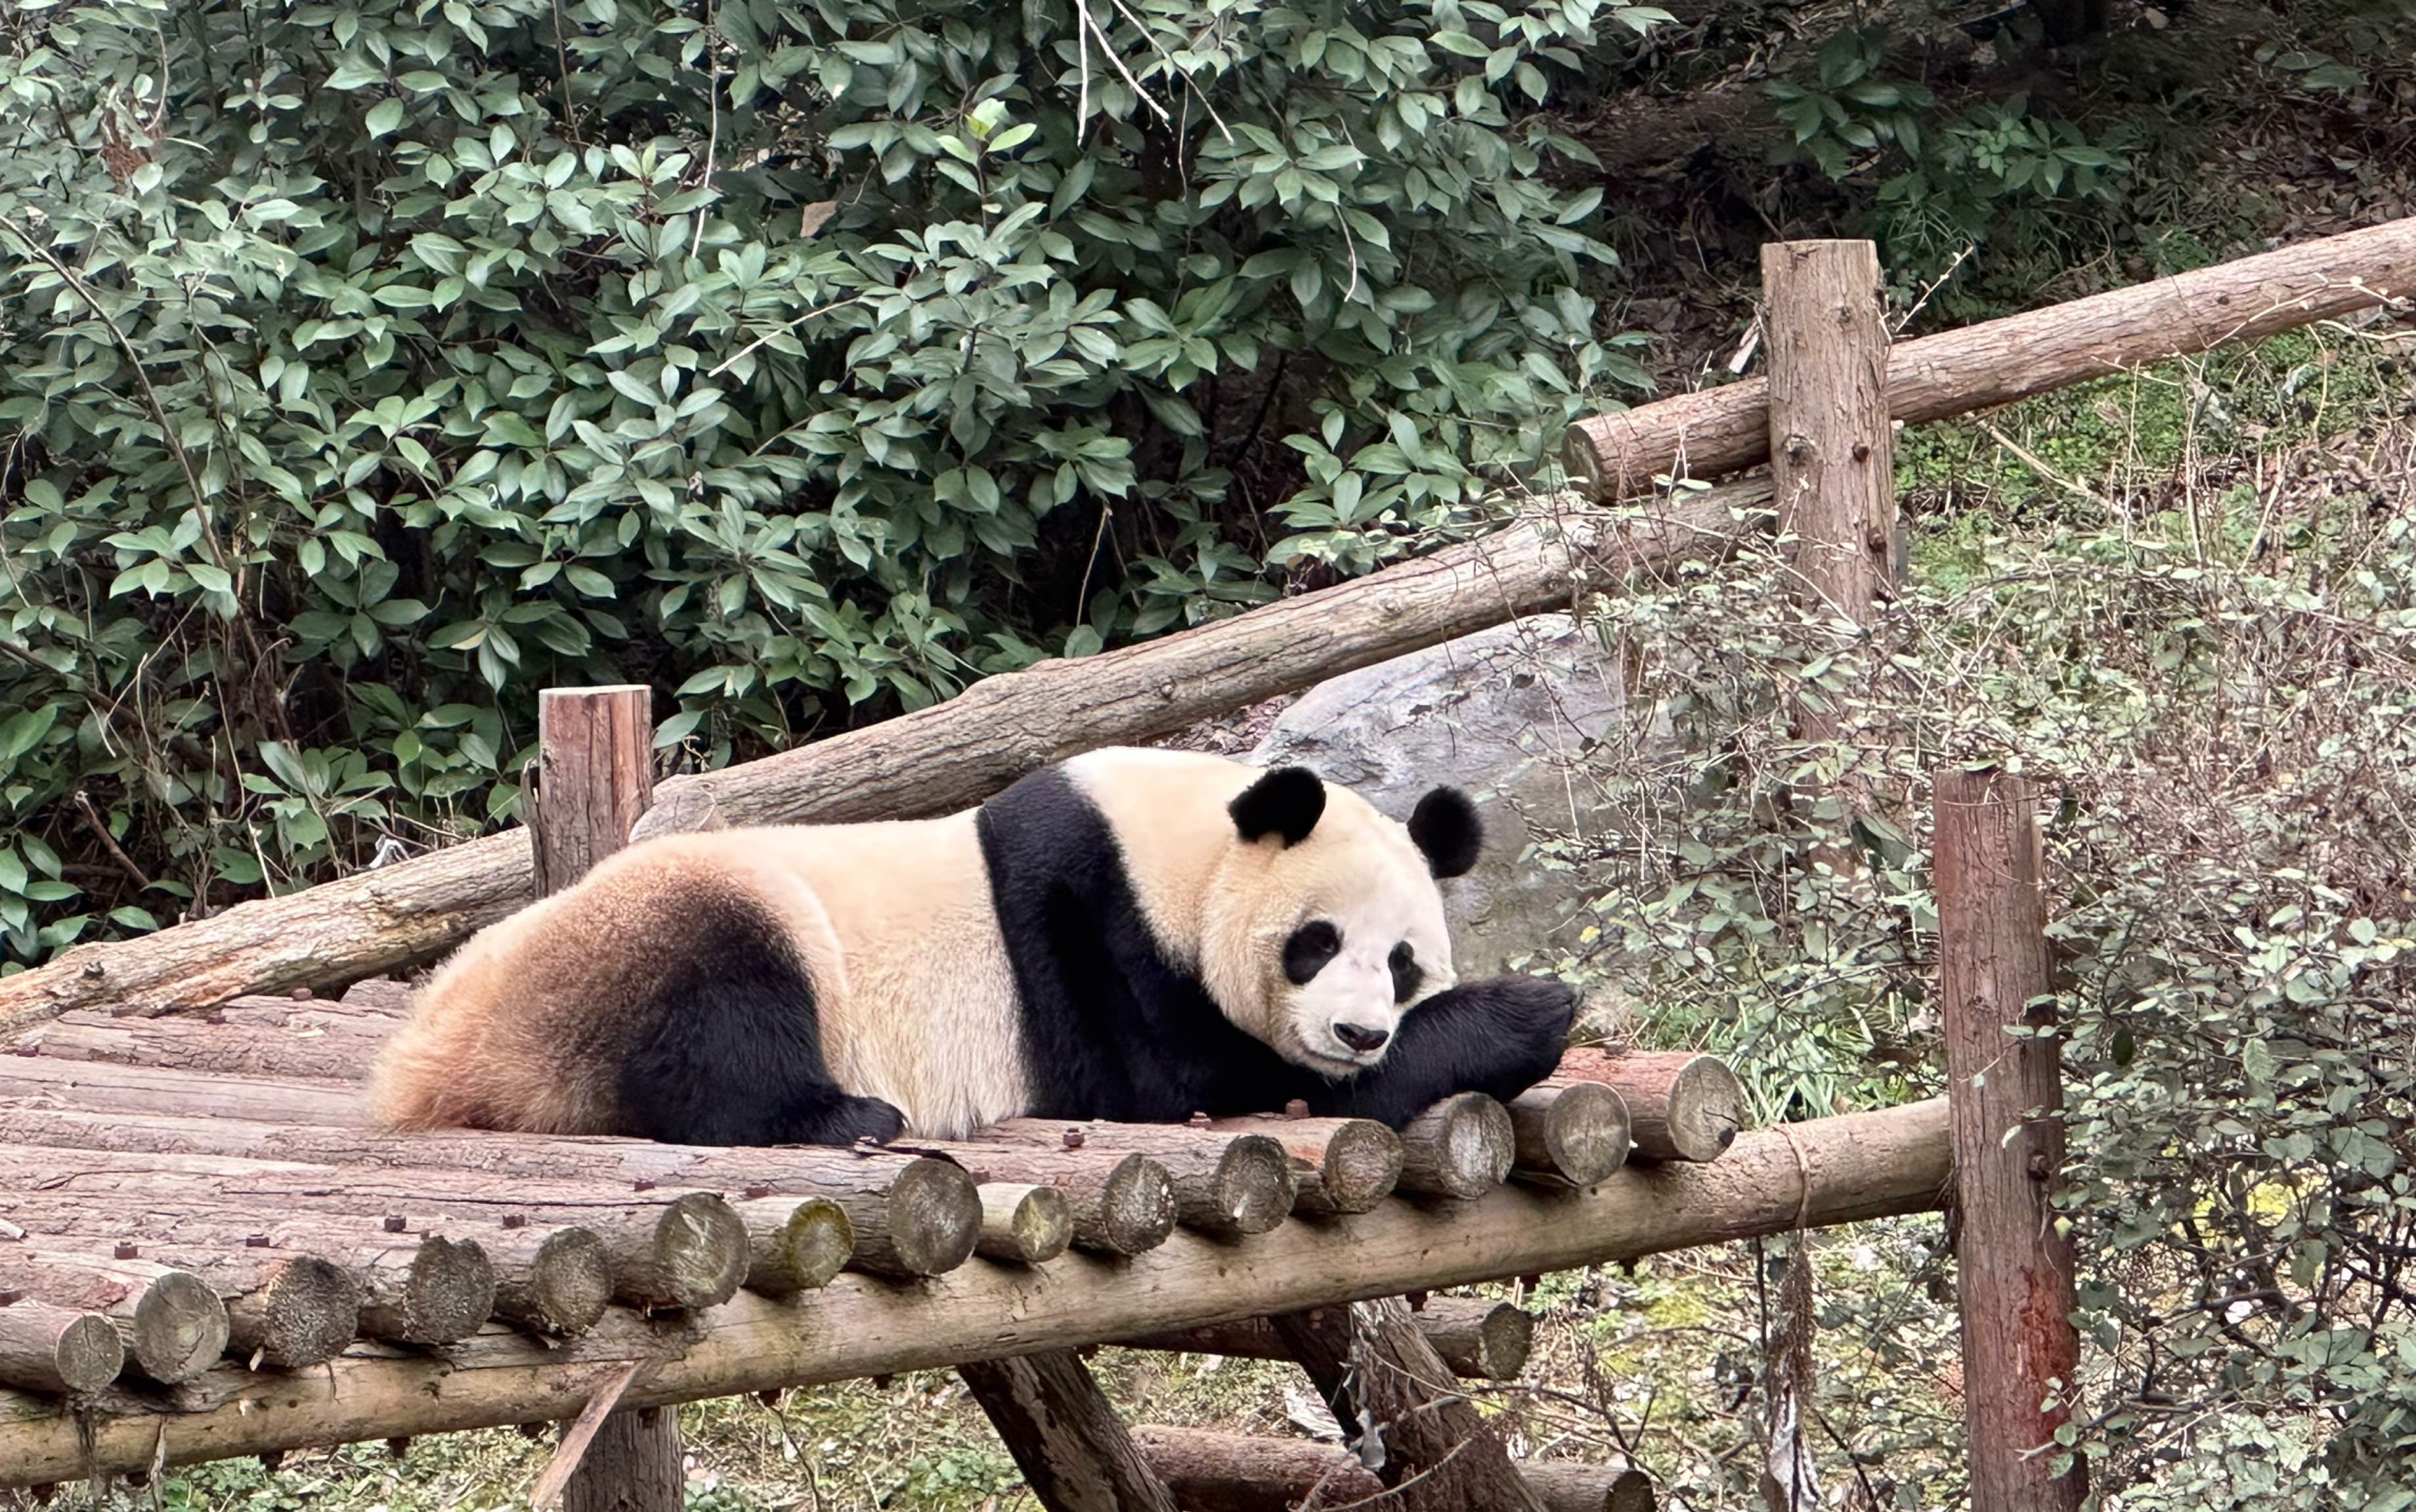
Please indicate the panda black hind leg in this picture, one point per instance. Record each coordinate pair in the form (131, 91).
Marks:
(1498, 1036)
(730, 1051)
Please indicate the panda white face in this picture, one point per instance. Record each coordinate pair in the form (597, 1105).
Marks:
(1330, 926)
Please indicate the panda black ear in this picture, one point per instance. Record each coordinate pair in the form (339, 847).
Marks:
(1445, 826)
(1286, 801)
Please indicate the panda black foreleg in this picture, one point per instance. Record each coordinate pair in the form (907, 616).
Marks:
(729, 1050)
(1498, 1038)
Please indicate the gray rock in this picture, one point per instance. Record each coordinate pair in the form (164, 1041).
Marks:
(1507, 715)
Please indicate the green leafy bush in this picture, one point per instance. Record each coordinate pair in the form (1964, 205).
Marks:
(365, 367)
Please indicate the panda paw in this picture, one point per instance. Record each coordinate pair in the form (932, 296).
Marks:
(847, 1120)
(1535, 1015)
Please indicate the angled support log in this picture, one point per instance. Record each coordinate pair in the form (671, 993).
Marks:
(1074, 1451)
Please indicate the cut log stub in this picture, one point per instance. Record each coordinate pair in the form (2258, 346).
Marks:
(924, 1220)
(1211, 1472)
(1480, 1340)
(428, 1290)
(689, 1253)
(174, 1324)
(1339, 1165)
(1228, 1182)
(795, 1243)
(1577, 1133)
(1025, 1224)
(1462, 1148)
(551, 1281)
(296, 1310)
(1123, 1203)
(1680, 1105)
(44, 1347)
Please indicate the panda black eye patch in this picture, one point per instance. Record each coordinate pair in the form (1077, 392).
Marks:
(1310, 948)
(1406, 972)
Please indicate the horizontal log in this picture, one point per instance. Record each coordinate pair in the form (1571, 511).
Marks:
(190, 1042)
(104, 1086)
(46, 1348)
(407, 1288)
(1461, 1148)
(934, 761)
(666, 1249)
(1480, 1340)
(1726, 430)
(795, 1243)
(1576, 1133)
(1825, 1171)
(1025, 1224)
(1339, 1165)
(1210, 1472)
(1225, 1182)
(66, 1117)
(1680, 1105)
(373, 1010)
(1123, 1204)
(173, 1326)
(284, 1309)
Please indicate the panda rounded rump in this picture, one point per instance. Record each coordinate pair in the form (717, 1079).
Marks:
(694, 988)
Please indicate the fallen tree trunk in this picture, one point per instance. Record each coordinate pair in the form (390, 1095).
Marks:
(1824, 1172)
(173, 1326)
(1224, 1183)
(1727, 430)
(1479, 1340)
(935, 761)
(1210, 1472)
(1680, 1105)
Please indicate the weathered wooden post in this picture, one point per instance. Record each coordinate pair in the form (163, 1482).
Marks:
(1076, 1454)
(594, 775)
(2014, 1269)
(1831, 446)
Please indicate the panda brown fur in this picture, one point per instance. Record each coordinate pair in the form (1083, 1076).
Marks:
(1132, 934)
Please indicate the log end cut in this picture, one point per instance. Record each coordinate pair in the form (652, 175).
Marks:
(1707, 1108)
(1462, 1148)
(1133, 1212)
(563, 1288)
(53, 1349)
(1362, 1166)
(797, 1245)
(1254, 1187)
(697, 1256)
(1025, 1224)
(305, 1313)
(1578, 1133)
(178, 1329)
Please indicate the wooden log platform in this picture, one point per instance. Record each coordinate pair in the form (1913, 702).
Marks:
(1824, 1171)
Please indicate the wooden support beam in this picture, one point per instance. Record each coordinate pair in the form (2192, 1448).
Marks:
(1210, 1472)
(2013, 1263)
(595, 778)
(1824, 1172)
(1074, 1451)
(1480, 1340)
(937, 760)
(1726, 430)
(1402, 1412)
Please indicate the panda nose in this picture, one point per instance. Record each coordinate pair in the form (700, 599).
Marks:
(1360, 1039)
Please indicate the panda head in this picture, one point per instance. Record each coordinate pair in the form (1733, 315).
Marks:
(1324, 923)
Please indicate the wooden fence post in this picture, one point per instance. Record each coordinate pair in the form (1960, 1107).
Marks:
(1831, 445)
(2014, 1269)
(594, 777)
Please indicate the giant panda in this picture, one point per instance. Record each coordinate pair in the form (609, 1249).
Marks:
(1132, 934)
